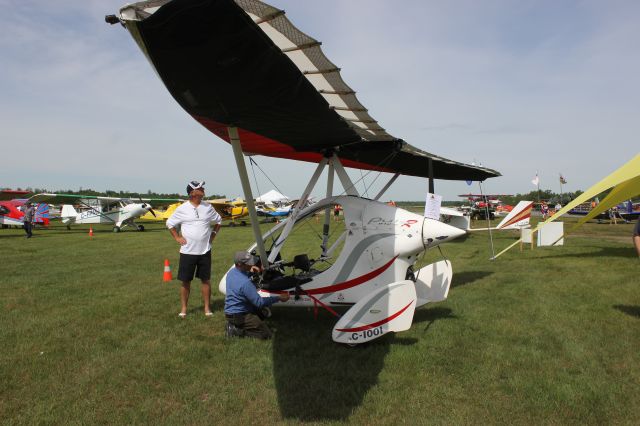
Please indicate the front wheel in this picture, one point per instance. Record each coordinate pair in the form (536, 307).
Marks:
(116, 229)
(140, 228)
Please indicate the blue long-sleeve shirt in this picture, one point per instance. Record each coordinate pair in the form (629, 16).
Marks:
(242, 295)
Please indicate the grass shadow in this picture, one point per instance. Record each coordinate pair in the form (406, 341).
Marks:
(432, 315)
(598, 252)
(318, 380)
(634, 311)
(467, 277)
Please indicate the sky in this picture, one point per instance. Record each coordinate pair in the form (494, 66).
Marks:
(517, 86)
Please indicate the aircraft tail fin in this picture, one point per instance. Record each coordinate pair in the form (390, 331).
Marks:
(518, 217)
(68, 211)
(455, 218)
(389, 309)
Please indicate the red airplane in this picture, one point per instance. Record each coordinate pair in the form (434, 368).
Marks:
(10, 213)
(481, 200)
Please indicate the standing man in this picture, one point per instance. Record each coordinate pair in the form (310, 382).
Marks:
(195, 237)
(636, 236)
(242, 299)
(29, 214)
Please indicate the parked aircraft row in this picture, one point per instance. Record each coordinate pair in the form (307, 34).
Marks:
(116, 211)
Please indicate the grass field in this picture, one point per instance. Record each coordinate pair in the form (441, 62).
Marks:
(89, 335)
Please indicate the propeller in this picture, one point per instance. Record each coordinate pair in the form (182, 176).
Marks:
(144, 206)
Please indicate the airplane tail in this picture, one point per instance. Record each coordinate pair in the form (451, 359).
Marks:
(455, 218)
(518, 217)
(67, 213)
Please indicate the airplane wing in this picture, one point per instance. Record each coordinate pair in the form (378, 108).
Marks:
(242, 63)
(8, 194)
(157, 201)
(75, 198)
(63, 198)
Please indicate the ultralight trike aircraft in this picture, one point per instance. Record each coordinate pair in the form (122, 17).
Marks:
(244, 72)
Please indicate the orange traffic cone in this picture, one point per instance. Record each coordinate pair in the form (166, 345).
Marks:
(167, 271)
(91, 231)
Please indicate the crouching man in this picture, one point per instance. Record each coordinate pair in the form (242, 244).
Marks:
(242, 300)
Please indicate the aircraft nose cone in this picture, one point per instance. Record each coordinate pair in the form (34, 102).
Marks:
(435, 232)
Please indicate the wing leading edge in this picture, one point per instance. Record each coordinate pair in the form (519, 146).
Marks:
(242, 63)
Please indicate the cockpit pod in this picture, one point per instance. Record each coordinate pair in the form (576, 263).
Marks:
(381, 243)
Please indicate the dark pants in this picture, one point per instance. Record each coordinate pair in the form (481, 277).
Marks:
(251, 324)
(28, 226)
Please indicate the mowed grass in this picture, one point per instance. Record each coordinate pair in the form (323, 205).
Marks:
(89, 334)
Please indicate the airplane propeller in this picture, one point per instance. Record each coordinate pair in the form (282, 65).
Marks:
(144, 206)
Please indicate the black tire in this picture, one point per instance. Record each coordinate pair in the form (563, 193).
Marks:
(116, 229)
(140, 228)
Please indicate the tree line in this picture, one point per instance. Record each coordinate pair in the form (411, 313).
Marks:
(111, 193)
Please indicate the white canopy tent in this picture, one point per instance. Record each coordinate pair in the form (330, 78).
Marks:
(272, 197)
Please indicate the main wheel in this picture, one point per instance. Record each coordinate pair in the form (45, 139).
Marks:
(140, 228)
(116, 229)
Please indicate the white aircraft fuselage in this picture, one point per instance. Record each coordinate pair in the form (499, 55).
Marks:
(381, 246)
(119, 216)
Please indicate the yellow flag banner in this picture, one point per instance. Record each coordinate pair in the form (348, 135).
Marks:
(620, 193)
(626, 177)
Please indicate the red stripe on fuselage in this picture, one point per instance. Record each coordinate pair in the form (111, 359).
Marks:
(377, 323)
(347, 284)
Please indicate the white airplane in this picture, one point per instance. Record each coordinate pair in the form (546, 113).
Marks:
(244, 72)
(119, 212)
(517, 218)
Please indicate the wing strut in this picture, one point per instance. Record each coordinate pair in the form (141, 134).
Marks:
(383, 190)
(327, 211)
(349, 187)
(275, 249)
(248, 196)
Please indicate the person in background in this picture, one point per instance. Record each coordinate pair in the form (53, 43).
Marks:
(613, 215)
(195, 238)
(544, 208)
(29, 214)
(636, 236)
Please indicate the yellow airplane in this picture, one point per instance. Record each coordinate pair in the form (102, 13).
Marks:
(161, 214)
(230, 209)
(227, 209)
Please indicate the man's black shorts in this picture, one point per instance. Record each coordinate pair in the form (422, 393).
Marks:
(636, 229)
(200, 264)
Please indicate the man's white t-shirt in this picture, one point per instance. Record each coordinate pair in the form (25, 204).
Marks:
(195, 226)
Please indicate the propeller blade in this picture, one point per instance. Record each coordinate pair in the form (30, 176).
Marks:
(152, 212)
